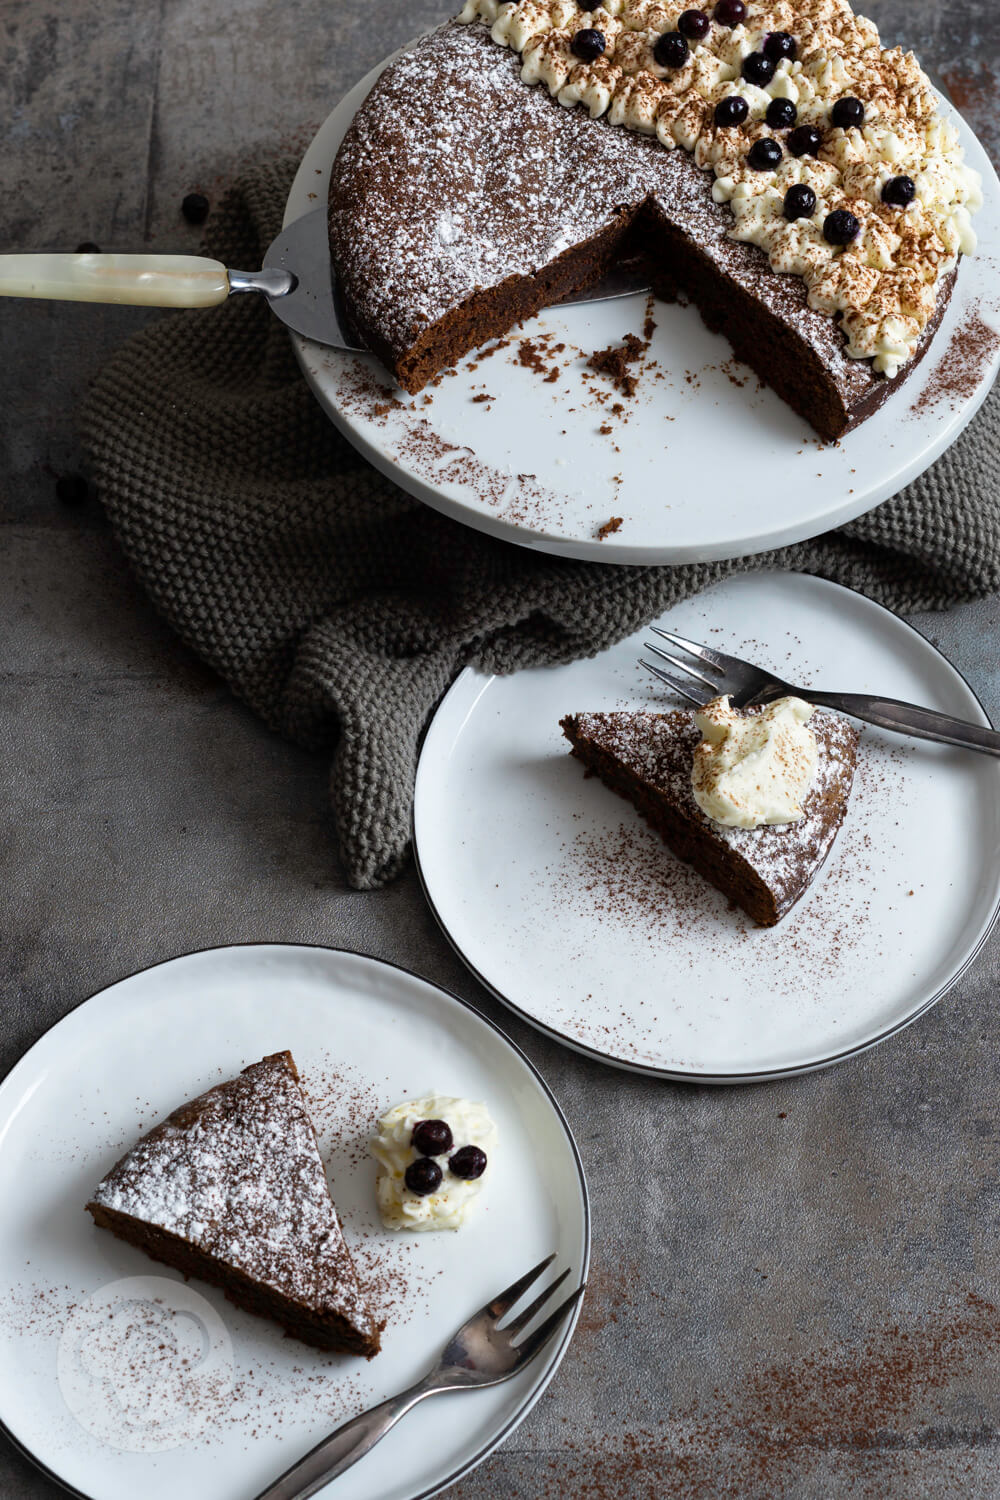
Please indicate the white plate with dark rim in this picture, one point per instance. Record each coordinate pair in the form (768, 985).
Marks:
(568, 907)
(532, 466)
(119, 1415)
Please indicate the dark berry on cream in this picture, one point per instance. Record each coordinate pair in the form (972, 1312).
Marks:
(732, 110)
(432, 1137)
(779, 44)
(730, 12)
(848, 112)
(899, 192)
(671, 50)
(423, 1176)
(805, 140)
(468, 1162)
(781, 114)
(694, 24)
(800, 202)
(764, 155)
(758, 69)
(588, 44)
(841, 227)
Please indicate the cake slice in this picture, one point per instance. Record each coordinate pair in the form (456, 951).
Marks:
(648, 758)
(230, 1188)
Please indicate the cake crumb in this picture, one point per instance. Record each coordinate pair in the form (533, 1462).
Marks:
(615, 524)
(615, 360)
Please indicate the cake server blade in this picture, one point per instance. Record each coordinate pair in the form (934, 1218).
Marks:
(314, 308)
(297, 279)
(304, 296)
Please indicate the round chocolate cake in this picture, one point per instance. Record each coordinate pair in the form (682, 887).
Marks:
(755, 155)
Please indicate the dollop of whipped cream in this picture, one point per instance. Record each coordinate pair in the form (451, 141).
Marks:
(392, 1147)
(752, 769)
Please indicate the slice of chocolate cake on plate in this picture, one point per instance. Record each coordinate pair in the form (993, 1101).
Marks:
(796, 780)
(231, 1189)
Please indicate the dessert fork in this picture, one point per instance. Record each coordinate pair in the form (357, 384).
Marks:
(748, 684)
(481, 1353)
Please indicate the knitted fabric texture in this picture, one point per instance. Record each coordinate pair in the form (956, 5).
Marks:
(340, 609)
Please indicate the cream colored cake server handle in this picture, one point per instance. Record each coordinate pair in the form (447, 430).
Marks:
(138, 280)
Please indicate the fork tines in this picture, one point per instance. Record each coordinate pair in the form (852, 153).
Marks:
(711, 659)
(502, 1304)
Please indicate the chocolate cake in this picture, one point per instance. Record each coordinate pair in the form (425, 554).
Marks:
(648, 757)
(464, 199)
(230, 1188)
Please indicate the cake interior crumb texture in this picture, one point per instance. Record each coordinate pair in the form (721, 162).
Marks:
(231, 1189)
(647, 758)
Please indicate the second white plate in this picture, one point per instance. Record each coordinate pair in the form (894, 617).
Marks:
(565, 903)
(700, 465)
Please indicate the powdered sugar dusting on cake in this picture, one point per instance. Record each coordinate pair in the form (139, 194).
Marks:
(238, 1173)
(660, 749)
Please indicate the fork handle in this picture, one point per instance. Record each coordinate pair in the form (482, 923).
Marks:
(906, 718)
(351, 1441)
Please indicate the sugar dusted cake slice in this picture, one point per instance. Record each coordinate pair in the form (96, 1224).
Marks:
(231, 1188)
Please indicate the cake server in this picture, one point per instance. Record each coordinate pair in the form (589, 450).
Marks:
(296, 278)
(748, 684)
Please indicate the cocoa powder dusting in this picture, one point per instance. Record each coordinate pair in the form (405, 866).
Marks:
(859, 1418)
(958, 374)
(518, 498)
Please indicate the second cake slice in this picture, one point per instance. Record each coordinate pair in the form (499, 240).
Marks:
(648, 758)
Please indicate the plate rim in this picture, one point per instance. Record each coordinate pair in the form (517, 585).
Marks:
(563, 1344)
(675, 1075)
(458, 507)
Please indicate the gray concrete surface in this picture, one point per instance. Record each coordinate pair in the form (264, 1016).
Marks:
(795, 1287)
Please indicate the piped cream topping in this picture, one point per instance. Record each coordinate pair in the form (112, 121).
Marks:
(884, 284)
(752, 769)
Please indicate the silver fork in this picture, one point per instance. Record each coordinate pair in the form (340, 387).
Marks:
(748, 684)
(481, 1353)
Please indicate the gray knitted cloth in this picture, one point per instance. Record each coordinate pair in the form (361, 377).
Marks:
(340, 609)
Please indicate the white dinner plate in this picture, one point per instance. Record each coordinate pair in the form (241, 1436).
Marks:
(703, 464)
(93, 1335)
(564, 902)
